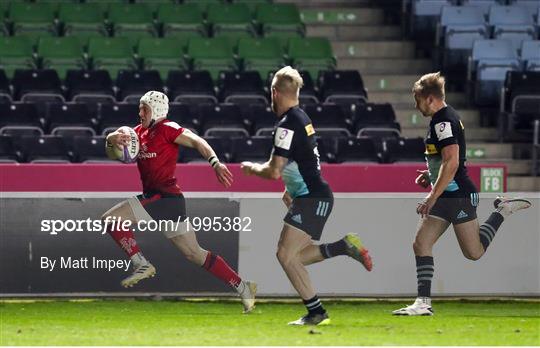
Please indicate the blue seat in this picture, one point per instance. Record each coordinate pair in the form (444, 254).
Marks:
(491, 59)
(460, 27)
(530, 55)
(514, 23)
(532, 5)
(426, 14)
(482, 5)
(510, 15)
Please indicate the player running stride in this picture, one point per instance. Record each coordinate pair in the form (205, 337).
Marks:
(162, 198)
(453, 198)
(307, 196)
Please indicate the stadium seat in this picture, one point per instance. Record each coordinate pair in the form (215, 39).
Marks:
(357, 150)
(82, 20)
(15, 53)
(5, 92)
(133, 84)
(61, 54)
(37, 85)
(311, 54)
(162, 54)
(518, 86)
(532, 6)
(18, 118)
(530, 55)
(111, 54)
(490, 60)
(32, 19)
(255, 149)
(460, 26)
(44, 149)
(377, 119)
(404, 150)
(520, 106)
(191, 87)
(327, 147)
(279, 20)
(309, 92)
(132, 21)
(222, 119)
(231, 20)
(252, 4)
(328, 119)
(153, 5)
(181, 20)
(262, 55)
(88, 149)
(94, 86)
(241, 88)
(513, 23)
(203, 4)
(342, 87)
(259, 119)
(221, 146)
(181, 114)
(214, 55)
(4, 7)
(424, 16)
(8, 153)
(188, 154)
(482, 5)
(113, 116)
(69, 119)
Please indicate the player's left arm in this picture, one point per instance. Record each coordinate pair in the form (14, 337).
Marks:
(270, 169)
(190, 139)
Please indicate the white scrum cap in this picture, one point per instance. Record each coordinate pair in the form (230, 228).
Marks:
(158, 103)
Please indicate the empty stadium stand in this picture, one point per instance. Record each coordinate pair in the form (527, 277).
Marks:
(72, 71)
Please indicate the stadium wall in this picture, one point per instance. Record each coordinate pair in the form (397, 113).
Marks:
(385, 221)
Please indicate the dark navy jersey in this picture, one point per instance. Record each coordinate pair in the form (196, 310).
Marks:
(446, 128)
(294, 138)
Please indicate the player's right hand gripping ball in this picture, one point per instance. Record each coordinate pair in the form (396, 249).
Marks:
(129, 152)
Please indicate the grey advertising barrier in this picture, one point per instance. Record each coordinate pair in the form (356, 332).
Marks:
(385, 222)
(23, 246)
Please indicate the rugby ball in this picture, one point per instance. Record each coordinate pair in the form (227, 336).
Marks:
(128, 153)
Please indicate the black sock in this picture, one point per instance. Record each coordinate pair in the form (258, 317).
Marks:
(333, 249)
(424, 274)
(314, 306)
(489, 228)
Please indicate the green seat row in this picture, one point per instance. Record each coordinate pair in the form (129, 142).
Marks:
(164, 54)
(104, 4)
(138, 19)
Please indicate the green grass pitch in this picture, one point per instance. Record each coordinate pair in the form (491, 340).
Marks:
(144, 322)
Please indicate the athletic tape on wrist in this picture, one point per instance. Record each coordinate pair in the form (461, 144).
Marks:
(214, 161)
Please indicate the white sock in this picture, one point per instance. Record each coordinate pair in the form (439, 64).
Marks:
(138, 260)
(426, 300)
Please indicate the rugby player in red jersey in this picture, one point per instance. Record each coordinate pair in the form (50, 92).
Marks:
(162, 198)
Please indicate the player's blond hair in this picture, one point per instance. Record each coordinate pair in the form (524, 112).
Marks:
(288, 81)
(430, 84)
